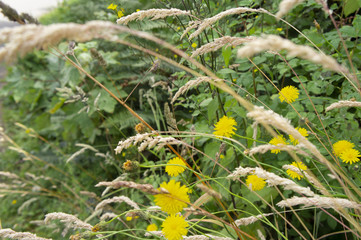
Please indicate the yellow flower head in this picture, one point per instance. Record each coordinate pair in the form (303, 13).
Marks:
(129, 218)
(288, 94)
(350, 156)
(174, 171)
(120, 14)
(277, 140)
(302, 131)
(225, 127)
(279, 29)
(174, 227)
(194, 45)
(112, 6)
(152, 227)
(255, 182)
(294, 174)
(174, 201)
(341, 146)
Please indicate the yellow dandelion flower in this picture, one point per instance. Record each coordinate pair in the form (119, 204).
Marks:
(14, 201)
(194, 45)
(137, 10)
(174, 227)
(174, 201)
(174, 171)
(152, 227)
(294, 174)
(277, 140)
(120, 14)
(225, 127)
(303, 132)
(129, 219)
(255, 183)
(279, 29)
(350, 156)
(341, 146)
(112, 6)
(289, 94)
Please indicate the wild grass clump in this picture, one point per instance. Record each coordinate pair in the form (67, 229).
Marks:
(193, 121)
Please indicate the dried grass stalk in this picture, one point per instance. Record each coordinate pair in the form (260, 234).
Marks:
(152, 13)
(318, 201)
(219, 43)
(70, 220)
(267, 147)
(154, 233)
(23, 39)
(119, 199)
(277, 44)
(249, 220)
(188, 85)
(271, 179)
(147, 188)
(286, 6)
(209, 21)
(209, 191)
(147, 140)
(8, 175)
(343, 103)
(9, 233)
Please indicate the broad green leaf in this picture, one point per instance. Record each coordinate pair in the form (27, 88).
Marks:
(226, 53)
(351, 6)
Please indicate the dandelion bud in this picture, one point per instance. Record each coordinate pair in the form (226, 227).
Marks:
(130, 165)
(97, 227)
(140, 128)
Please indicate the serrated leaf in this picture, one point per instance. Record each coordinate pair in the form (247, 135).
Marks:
(351, 6)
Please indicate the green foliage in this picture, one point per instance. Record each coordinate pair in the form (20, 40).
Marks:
(64, 127)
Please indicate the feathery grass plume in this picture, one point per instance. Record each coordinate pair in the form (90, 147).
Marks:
(14, 16)
(148, 140)
(277, 44)
(23, 39)
(8, 175)
(154, 233)
(260, 235)
(271, 179)
(209, 191)
(188, 85)
(154, 14)
(343, 103)
(108, 215)
(82, 150)
(268, 147)
(219, 43)
(209, 21)
(70, 220)
(286, 6)
(147, 188)
(205, 237)
(119, 199)
(191, 25)
(26, 204)
(9, 233)
(318, 201)
(249, 220)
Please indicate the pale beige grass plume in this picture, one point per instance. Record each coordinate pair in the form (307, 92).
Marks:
(23, 39)
(285, 6)
(153, 13)
(209, 21)
(188, 85)
(318, 201)
(277, 44)
(119, 199)
(252, 219)
(268, 147)
(9, 233)
(147, 188)
(219, 43)
(343, 103)
(70, 220)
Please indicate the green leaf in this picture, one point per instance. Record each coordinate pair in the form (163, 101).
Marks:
(212, 109)
(351, 6)
(226, 53)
